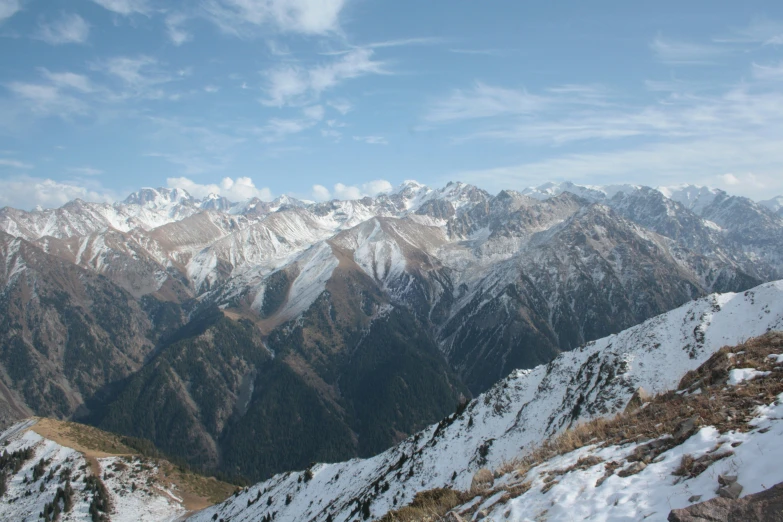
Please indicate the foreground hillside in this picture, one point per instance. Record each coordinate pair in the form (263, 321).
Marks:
(513, 418)
(68, 471)
(719, 436)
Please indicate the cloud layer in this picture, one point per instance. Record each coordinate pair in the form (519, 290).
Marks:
(351, 192)
(239, 189)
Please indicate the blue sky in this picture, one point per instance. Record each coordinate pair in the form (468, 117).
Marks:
(340, 98)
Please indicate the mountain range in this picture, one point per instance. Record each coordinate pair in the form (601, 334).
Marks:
(208, 325)
(522, 412)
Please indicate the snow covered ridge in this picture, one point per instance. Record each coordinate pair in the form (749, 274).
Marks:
(40, 473)
(130, 483)
(518, 414)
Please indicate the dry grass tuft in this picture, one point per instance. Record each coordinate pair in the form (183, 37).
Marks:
(428, 505)
(666, 421)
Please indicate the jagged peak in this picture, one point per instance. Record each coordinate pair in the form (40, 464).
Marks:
(156, 197)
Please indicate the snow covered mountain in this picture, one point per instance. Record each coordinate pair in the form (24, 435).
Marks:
(517, 414)
(775, 204)
(448, 289)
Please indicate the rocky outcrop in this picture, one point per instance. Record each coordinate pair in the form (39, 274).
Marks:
(766, 506)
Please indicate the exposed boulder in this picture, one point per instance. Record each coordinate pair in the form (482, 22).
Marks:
(766, 506)
(640, 396)
(483, 479)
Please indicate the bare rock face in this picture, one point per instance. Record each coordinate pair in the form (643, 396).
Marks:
(766, 506)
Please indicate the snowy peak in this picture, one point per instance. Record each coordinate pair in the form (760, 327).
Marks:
(591, 193)
(775, 204)
(694, 198)
(160, 198)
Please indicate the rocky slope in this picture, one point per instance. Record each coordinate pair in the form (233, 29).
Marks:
(516, 415)
(379, 313)
(65, 332)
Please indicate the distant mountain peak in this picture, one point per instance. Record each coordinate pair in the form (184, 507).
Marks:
(158, 197)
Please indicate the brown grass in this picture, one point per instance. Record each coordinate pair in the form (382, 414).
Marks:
(702, 395)
(197, 491)
(726, 408)
(428, 506)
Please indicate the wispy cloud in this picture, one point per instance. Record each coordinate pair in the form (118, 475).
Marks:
(139, 76)
(14, 164)
(768, 72)
(244, 18)
(483, 101)
(292, 84)
(678, 52)
(763, 31)
(175, 28)
(47, 99)
(67, 28)
(125, 7)
(9, 8)
(405, 42)
(372, 140)
(68, 79)
(704, 162)
(277, 129)
(341, 106)
(196, 149)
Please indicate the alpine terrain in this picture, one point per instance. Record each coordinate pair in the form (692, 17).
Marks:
(657, 417)
(220, 331)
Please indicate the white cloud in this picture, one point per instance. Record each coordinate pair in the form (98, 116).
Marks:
(140, 76)
(761, 30)
(371, 140)
(332, 134)
(347, 192)
(570, 114)
(27, 192)
(47, 100)
(768, 72)
(341, 106)
(14, 164)
(315, 112)
(293, 84)
(67, 79)
(278, 128)
(730, 179)
(378, 186)
(211, 89)
(125, 7)
(177, 34)
(701, 162)
(9, 8)
(321, 193)
(244, 17)
(351, 192)
(69, 28)
(675, 52)
(238, 189)
(484, 101)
